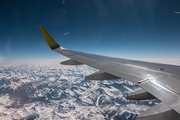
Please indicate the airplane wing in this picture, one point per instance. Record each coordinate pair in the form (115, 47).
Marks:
(159, 81)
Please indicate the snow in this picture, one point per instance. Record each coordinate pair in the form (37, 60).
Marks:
(53, 91)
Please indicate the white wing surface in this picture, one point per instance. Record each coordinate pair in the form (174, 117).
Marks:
(159, 81)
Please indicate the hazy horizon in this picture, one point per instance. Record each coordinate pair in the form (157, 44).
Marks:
(118, 28)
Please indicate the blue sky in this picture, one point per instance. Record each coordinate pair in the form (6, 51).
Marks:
(121, 28)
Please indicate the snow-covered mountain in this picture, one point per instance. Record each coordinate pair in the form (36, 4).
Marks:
(53, 91)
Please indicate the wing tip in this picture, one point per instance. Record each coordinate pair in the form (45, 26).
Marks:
(51, 42)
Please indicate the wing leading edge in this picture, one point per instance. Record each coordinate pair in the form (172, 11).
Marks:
(157, 80)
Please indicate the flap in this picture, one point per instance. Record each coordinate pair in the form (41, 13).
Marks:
(159, 112)
(167, 96)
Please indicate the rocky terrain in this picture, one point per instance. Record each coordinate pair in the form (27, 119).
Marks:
(53, 91)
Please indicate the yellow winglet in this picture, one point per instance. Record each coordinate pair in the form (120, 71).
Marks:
(51, 42)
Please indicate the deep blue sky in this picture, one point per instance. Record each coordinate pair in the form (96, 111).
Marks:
(122, 28)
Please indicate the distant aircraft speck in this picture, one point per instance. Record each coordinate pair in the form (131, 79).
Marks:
(67, 33)
(177, 12)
